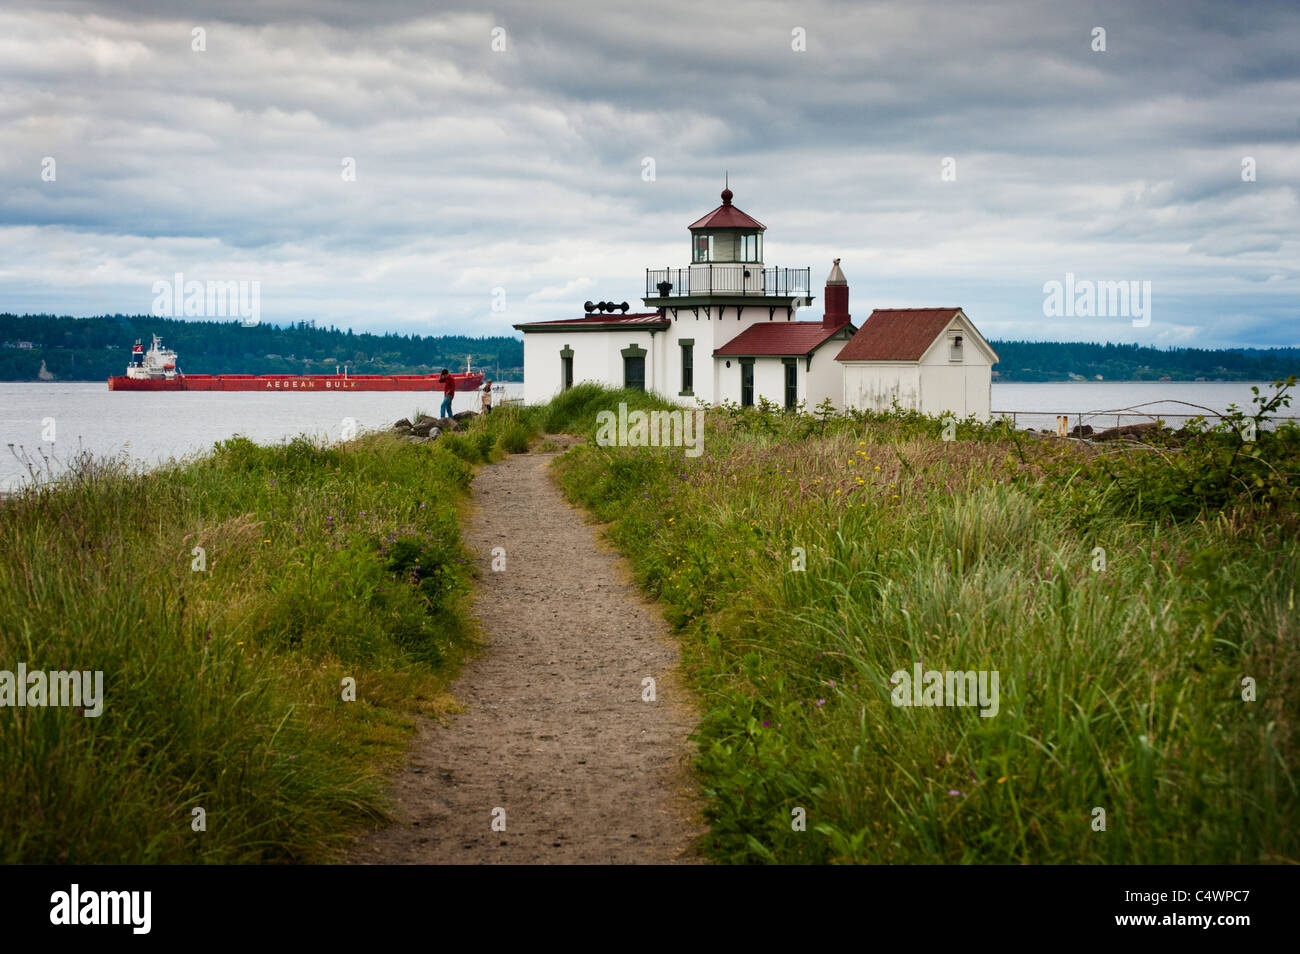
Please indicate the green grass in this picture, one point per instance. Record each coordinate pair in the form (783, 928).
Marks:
(1119, 688)
(223, 685)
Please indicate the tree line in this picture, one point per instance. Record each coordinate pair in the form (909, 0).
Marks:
(1056, 361)
(89, 349)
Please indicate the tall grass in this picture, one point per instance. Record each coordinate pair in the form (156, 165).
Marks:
(1120, 688)
(223, 683)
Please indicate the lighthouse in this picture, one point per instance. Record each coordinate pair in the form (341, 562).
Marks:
(723, 327)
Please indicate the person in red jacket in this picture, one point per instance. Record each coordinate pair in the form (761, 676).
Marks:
(448, 392)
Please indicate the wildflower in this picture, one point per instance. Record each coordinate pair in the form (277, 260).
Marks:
(1002, 779)
(954, 793)
(240, 643)
(821, 702)
(766, 724)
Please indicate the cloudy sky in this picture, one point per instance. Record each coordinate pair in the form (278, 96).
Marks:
(528, 168)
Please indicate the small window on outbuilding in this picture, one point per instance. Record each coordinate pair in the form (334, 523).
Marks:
(954, 353)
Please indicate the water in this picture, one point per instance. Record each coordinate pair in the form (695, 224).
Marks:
(151, 427)
(1076, 398)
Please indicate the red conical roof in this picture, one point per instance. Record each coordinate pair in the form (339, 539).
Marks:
(727, 216)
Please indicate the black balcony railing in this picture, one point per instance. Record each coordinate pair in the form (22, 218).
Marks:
(727, 279)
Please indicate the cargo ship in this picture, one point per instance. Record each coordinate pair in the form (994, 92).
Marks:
(155, 370)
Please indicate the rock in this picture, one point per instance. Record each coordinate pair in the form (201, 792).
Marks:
(423, 426)
(398, 425)
(434, 432)
(465, 415)
(402, 430)
(1081, 430)
(1128, 430)
(447, 423)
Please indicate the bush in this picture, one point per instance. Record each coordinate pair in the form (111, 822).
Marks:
(514, 439)
(463, 446)
(803, 560)
(222, 674)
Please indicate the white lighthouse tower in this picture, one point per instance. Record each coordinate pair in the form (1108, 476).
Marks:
(725, 289)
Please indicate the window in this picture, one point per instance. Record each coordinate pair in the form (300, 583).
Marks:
(566, 368)
(751, 248)
(634, 367)
(688, 367)
(746, 382)
(634, 373)
(954, 354)
(704, 248)
(791, 384)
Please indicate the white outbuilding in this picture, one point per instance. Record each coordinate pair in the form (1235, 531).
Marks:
(932, 360)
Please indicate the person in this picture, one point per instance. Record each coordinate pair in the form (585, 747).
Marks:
(448, 392)
(487, 396)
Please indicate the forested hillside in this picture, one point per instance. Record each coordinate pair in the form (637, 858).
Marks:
(1056, 361)
(89, 349)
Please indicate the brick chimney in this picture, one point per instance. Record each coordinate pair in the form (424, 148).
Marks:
(837, 299)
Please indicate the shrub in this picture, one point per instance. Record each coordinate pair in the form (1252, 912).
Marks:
(515, 439)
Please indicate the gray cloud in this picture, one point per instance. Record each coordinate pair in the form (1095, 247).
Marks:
(522, 169)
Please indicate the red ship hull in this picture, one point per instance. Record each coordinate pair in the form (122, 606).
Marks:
(294, 382)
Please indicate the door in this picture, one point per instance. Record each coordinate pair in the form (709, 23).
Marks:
(746, 382)
(567, 363)
(791, 384)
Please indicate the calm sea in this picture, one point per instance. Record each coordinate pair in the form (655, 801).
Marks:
(153, 427)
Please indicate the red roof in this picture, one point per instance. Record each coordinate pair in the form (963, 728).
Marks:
(637, 318)
(779, 337)
(727, 216)
(897, 334)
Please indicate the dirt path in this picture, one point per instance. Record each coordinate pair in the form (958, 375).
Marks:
(555, 730)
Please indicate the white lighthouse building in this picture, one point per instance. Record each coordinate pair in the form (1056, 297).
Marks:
(719, 328)
(724, 328)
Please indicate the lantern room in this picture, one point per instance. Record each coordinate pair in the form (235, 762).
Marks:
(727, 235)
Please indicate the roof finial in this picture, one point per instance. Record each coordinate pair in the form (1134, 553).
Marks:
(726, 188)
